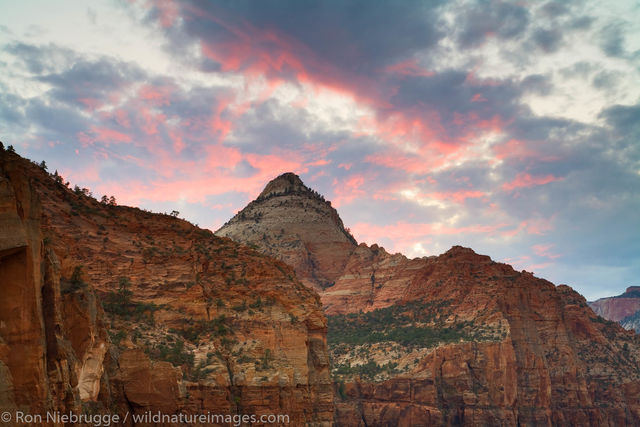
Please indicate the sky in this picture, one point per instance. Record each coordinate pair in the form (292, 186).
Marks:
(511, 127)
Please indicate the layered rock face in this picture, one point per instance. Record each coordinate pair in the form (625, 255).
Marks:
(553, 362)
(47, 340)
(623, 308)
(451, 340)
(296, 225)
(192, 323)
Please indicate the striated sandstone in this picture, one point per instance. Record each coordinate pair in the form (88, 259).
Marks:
(295, 224)
(558, 364)
(191, 322)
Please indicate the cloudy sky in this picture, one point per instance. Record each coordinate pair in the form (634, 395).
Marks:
(510, 127)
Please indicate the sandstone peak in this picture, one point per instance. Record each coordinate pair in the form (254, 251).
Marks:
(457, 249)
(286, 183)
(295, 224)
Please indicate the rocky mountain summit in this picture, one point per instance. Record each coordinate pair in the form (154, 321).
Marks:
(296, 225)
(109, 309)
(445, 340)
(623, 308)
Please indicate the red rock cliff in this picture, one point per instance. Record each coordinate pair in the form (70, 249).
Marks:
(191, 322)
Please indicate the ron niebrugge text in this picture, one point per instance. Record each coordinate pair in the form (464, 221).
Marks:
(100, 420)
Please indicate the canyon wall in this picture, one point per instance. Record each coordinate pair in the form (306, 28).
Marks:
(109, 309)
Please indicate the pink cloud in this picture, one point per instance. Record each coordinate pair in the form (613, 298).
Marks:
(321, 162)
(478, 98)
(541, 266)
(212, 176)
(92, 104)
(408, 68)
(122, 118)
(219, 156)
(524, 180)
(458, 196)
(268, 53)
(157, 95)
(270, 164)
(178, 141)
(517, 149)
(348, 189)
(406, 233)
(149, 121)
(545, 251)
(168, 12)
(539, 226)
(102, 134)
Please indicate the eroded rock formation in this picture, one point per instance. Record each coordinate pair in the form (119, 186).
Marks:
(295, 224)
(110, 309)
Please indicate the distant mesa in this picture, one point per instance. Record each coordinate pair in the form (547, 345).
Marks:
(623, 308)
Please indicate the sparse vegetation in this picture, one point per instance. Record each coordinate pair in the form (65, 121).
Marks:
(414, 324)
(121, 304)
(174, 353)
(265, 361)
(74, 283)
(240, 307)
(367, 370)
(217, 327)
(397, 330)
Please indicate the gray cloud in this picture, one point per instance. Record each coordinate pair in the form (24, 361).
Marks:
(612, 40)
(537, 83)
(625, 119)
(549, 40)
(504, 20)
(606, 80)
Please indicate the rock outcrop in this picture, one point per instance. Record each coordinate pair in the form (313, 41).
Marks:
(455, 339)
(109, 309)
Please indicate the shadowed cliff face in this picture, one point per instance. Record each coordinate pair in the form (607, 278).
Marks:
(110, 308)
(452, 339)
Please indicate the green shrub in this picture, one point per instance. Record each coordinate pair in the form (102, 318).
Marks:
(174, 354)
(406, 325)
(117, 337)
(121, 304)
(216, 327)
(75, 282)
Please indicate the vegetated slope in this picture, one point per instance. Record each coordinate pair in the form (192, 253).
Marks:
(454, 339)
(191, 322)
